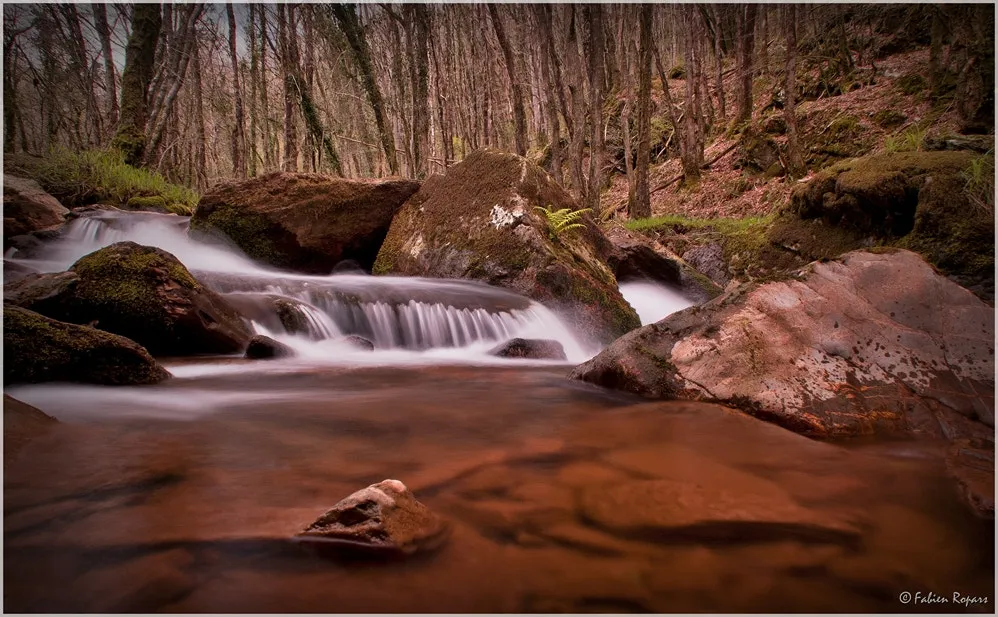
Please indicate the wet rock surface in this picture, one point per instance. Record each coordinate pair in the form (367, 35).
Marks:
(265, 348)
(142, 293)
(382, 519)
(27, 208)
(480, 221)
(38, 349)
(304, 222)
(534, 349)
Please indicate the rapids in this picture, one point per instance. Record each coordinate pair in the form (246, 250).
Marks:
(409, 320)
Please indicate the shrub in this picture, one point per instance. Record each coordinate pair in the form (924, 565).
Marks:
(79, 178)
(980, 183)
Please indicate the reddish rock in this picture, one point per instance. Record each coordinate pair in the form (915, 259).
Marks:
(869, 343)
(27, 208)
(265, 348)
(383, 519)
(303, 222)
(481, 220)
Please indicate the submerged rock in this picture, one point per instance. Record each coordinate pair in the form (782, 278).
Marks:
(264, 348)
(140, 292)
(303, 222)
(21, 424)
(383, 519)
(870, 343)
(359, 342)
(534, 349)
(27, 208)
(274, 312)
(480, 220)
(38, 349)
(971, 462)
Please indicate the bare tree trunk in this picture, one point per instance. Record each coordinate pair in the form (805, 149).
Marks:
(238, 133)
(346, 16)
(516, 90)
(254, 78)
(575, 79)
(625, 119)
(746, 45)
(597, 67)
(110, 81)
(718, 66)
(268, 143)
(640, 206)
(140, 54)
(936, 50)
(420, 90)
(285, 28)
(692, 134)
(200, 139)
(543, 12)
(795, 160)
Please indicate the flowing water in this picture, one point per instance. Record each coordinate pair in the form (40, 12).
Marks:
(182, 497)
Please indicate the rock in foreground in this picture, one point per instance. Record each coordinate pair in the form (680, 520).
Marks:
(139, 292)
(870, 343)
(481, 221)
(37, 349)
(27, 208)
(303, 222)
(533, 349)
(383, 519)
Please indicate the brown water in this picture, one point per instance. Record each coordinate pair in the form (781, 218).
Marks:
(562, 497)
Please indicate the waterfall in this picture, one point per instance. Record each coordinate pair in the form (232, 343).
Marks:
(406, 318)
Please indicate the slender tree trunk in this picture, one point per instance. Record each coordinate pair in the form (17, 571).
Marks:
(545, 35)
(238, 132)
(516, 90)
(597, 68)
(746, 45)
(254, 78)
(200, 138)
(640, 207)
(269, 157)
(110, 81)
(575, 79)
(936, 50)
(718, 65)
(420, 91)
(794, 158)
(692, 135)
(346, 16)
(286, 34)
(625, 121)
(140, 54)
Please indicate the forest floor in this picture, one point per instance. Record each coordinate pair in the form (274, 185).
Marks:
(862, 120)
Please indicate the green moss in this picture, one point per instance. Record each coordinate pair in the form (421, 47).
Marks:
(911, 83)
(91, 176)
(155, 203)
(889, 118)
(252, 233)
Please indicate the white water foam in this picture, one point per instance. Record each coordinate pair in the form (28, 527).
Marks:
(653, 302)
(409, 320)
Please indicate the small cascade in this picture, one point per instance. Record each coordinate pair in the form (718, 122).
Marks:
(653, 302)
(406, 318)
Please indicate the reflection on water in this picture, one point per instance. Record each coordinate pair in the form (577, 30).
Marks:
(181, 497)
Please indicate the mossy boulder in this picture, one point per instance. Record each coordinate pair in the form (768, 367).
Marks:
(303, 222)
(758, 153)
(481, 221)
(27, 208)
(38, 349)
(140, 292)
(915, 200)
(870, 343)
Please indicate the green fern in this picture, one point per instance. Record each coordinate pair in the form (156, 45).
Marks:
(563, 220)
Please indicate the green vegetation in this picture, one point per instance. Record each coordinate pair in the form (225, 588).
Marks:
(980, 183)
(91, 176)
(911, 140)
(724, 226)
(562, 220)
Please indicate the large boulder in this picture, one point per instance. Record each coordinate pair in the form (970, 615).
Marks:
(38, 349)
(481, 221)
(27, 208)
(140, 292)
(303, 222)
(869, 343)
(921, 201)
(265, 348)
(383, 519)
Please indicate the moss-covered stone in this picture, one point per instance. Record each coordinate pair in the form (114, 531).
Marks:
(142, 293)
(303, 222)
(911, 83)
(38, 349)
(151, 203)
(889, 119)
(480, 221)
